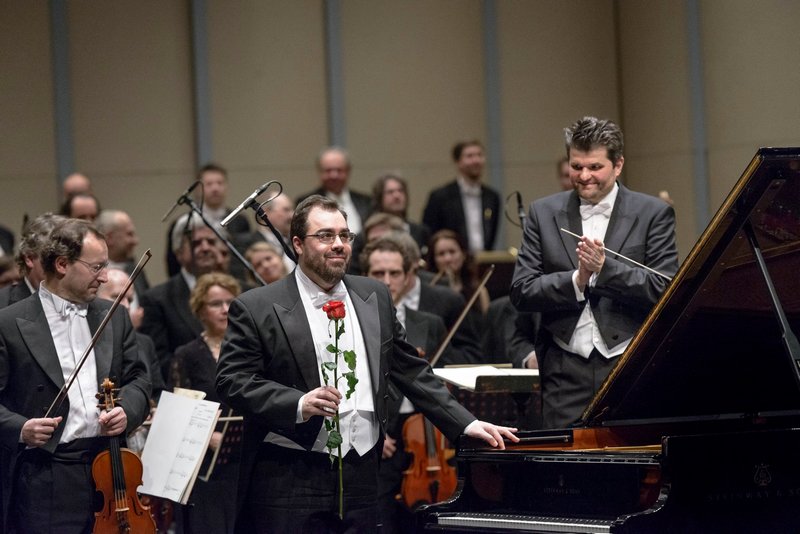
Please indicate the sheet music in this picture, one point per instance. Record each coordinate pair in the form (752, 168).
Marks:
(176, 444)
(466, 377)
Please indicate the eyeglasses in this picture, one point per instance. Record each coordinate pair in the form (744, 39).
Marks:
(94, 268)
(326, 238)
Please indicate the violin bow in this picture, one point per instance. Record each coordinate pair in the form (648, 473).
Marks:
(62, 394)
(463, 315)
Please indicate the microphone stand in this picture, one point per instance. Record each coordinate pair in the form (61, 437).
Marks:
(261, 214)
(186, 199)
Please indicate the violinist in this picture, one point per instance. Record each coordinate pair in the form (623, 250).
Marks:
(47, 479)
(385, 260)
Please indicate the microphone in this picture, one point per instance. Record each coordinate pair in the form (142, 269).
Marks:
(180, 199)
(245, 203)
(520, 209)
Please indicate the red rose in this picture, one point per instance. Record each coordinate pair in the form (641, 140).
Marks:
(334, 309)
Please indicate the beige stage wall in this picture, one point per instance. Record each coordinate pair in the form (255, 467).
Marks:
(413, 81)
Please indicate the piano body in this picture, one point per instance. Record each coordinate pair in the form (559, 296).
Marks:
(697, 429)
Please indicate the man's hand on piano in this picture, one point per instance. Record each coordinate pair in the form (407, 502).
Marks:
(491, 434)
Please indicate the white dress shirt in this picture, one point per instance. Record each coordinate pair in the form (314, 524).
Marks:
(411, 299)
(472, 200)
(189, 278)
(587, 336)
(71, 336)
(357, 419)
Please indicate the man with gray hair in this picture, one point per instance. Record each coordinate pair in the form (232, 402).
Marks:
(28, 258)
(591, 304)
(168, 320)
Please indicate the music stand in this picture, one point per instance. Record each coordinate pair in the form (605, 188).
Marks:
(486, 390)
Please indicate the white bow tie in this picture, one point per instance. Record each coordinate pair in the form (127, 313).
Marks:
(319, 299)
(601, 208)
(71, 310)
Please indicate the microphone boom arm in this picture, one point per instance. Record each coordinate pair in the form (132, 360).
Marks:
(193, 206)
(287, 249)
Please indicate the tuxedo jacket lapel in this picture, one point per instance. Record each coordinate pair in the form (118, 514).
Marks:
(35, 332)
(569, 218)
(621, 222)
(103, 349)
(368, 318)
(292, 316)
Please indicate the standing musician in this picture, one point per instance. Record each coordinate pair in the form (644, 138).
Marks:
(591, 303)
(269, 370)
(47, 480)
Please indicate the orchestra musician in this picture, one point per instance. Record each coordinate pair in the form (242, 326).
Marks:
(47, 475)
(591, 303)
(269, 371)
(212, 505)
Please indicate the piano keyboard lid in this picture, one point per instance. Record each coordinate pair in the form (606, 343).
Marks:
(713, 346)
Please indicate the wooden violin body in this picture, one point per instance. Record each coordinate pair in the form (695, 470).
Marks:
(429, 478)
(115, 471)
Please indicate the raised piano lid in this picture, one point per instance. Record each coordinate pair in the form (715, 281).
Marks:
(712, 347)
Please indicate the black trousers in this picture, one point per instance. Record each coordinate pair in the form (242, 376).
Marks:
(297, 491)
(569, 382)
(55, 493)
(393, 514)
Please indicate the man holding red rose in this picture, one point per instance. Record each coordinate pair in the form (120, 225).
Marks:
(269, 370)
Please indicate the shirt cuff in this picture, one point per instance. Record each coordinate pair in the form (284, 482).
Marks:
(472, 424)
(531, 354)
(579, 296)
(299, 417)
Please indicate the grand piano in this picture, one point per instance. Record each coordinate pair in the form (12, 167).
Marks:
(697, 429)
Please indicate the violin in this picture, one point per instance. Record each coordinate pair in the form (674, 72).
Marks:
(429, 478)
(114, 471)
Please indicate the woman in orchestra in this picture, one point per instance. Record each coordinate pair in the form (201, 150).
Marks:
(211, 507)
(449, 256)
(267, 260)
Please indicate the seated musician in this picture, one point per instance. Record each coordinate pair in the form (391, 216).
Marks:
(212, 505)
(47, 477)
(591, 303)
(385, 260)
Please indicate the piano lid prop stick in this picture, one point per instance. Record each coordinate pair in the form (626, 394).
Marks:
(623, 257)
